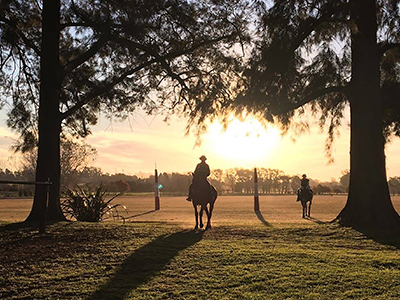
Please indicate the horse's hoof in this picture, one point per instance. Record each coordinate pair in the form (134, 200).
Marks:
(196, 227)
(208, 227)
(201, 225)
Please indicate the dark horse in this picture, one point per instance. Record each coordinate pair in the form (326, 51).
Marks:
(205, 198)
(306, 195)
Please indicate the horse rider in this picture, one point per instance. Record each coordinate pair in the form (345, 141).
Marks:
(304, 185)
(200, 175)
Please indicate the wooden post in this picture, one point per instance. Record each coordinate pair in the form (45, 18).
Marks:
(256, 200)
(43, 211)
(45, 204)
(156, 191)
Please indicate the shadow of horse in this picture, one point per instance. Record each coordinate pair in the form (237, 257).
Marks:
(141, 214)
(306, 196)
(144, 263)
(262, 219)
(318, 221)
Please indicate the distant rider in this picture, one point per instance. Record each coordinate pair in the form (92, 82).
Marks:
(305, 185)
(200, 175)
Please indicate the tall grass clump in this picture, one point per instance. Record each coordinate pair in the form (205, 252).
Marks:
(90, 206)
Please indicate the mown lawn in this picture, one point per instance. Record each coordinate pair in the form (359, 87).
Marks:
(166, 261)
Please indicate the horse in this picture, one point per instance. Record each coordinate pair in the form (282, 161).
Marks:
(204, 197)
(306, 195)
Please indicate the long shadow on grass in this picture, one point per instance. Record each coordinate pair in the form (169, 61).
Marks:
(317, 220)
(144, 263)
(387, 237)
(20, 232)
(14, 226)
(33, 226)
(261, 218)
(142, 214)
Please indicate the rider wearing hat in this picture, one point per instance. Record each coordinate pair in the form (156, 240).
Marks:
(305, 182)
(202, 169)
(200, 175)
(305, 185)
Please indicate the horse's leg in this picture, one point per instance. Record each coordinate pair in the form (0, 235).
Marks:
(201, 216)
(209, 215)
(304, 205)
(309, 209)
(196, 216)
(208, 226)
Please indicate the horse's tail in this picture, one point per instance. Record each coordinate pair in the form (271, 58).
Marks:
(214, 192)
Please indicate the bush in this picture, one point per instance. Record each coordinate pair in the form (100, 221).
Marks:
(90, 206)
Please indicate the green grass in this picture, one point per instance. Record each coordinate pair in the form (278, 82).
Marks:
(165, 261)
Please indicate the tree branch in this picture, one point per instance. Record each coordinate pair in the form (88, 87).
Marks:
(311, 23)
(173, 54)
(384, 47)
(312, 96)
(71, 65)
(2, 64)
(28, 42)
(72, 24)
(104, 88)
(157, 59)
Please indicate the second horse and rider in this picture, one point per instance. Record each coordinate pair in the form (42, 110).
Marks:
(304, 186)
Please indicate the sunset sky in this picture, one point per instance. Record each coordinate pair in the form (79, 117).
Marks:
(136, 145)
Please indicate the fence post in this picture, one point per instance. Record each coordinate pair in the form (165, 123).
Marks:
(44, 205)
(156, 191)
(256, 199)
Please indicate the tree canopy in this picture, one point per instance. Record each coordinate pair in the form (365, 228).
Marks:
(64, 62)
(329, 56)
(117, 56)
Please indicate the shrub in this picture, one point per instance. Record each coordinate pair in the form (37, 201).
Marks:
(90, 206)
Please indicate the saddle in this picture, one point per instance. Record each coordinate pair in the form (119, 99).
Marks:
(305, 194)
(202, 187)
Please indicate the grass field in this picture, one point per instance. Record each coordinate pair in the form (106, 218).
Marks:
(228, 209)
(156, 255)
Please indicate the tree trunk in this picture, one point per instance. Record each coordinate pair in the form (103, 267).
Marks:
(368, 204)
(48, 161)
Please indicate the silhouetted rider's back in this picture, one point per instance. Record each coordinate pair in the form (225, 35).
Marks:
(202, 170)
(200, 175)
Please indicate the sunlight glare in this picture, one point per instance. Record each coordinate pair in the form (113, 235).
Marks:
(247, 143)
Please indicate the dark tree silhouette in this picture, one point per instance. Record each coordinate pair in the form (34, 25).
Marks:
(332, 55)
(62, 62)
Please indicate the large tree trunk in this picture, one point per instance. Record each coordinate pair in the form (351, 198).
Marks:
(48, 162)
(368, 204)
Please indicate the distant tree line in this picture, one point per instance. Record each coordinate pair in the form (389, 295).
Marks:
(234, 180)
(75, 171)
(394, 185)
(230, 181)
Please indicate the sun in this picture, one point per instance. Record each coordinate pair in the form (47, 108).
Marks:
(244, 143)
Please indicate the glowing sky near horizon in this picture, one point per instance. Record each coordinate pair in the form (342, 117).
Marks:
(147, 141)
(136, 145)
